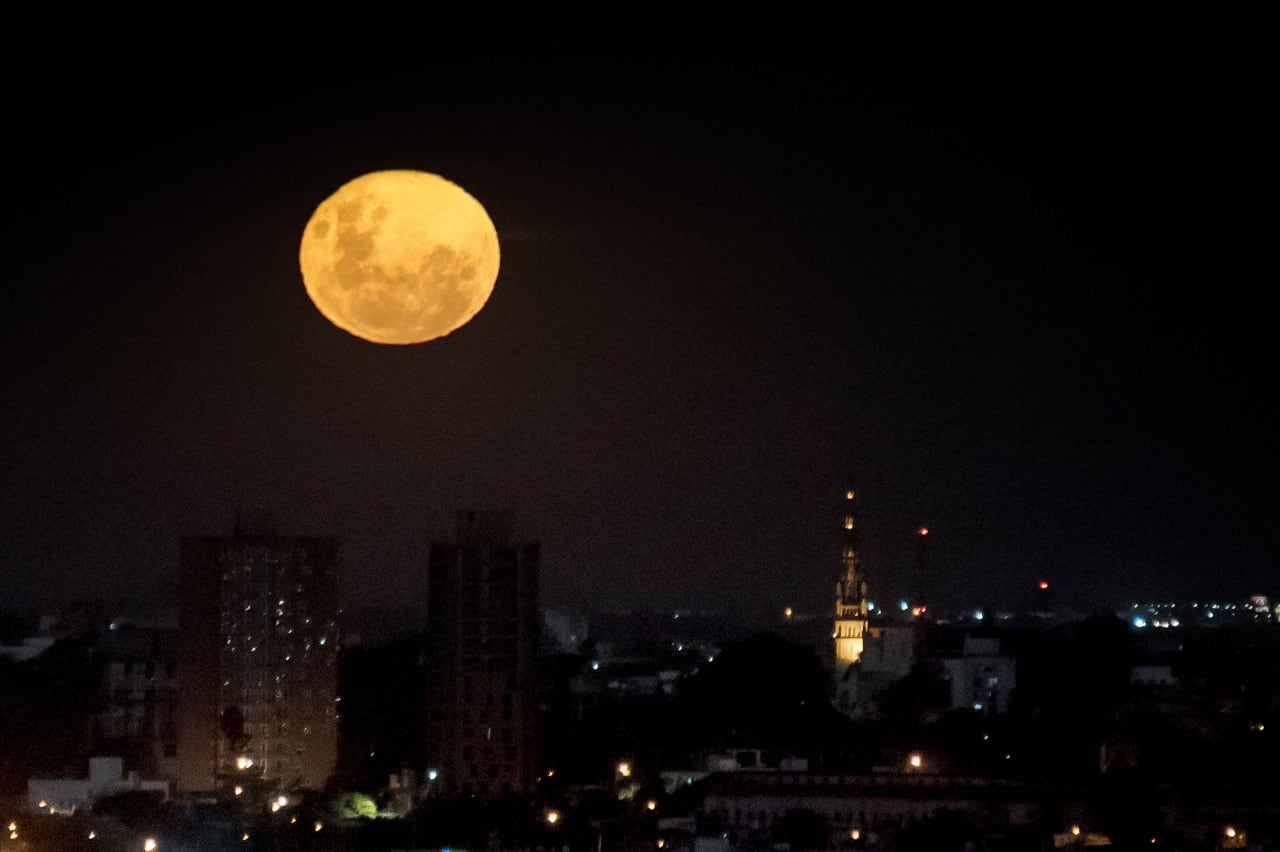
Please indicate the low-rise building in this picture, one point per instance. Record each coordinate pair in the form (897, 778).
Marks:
(69, 796)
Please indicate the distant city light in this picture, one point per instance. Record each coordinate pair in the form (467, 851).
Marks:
(787, 612)
(916, 761)
(979, 615)
(903, 605)
(924, 531)
(1139, 621)
(1044, 585)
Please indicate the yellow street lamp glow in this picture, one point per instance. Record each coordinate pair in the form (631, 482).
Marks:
(916, 761)
(149, 845)
(624, 769)
(1075, 830)
(651, 805)
(553, 817)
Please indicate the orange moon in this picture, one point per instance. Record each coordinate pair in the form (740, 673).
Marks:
(399, 257)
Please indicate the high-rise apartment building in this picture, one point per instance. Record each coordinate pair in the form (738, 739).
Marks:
(483, 628)
(258, 660)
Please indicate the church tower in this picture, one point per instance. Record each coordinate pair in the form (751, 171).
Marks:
(851, 592)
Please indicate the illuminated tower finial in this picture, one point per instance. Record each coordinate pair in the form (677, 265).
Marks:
(851, 590)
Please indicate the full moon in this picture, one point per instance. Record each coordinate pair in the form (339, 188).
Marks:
(399, 257)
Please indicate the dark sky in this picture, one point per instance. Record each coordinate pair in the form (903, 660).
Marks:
(1010, 274)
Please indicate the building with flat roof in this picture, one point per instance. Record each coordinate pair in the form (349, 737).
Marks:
(257, 658)
(483, 629)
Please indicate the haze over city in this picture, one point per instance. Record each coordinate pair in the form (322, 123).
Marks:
(1012, 286)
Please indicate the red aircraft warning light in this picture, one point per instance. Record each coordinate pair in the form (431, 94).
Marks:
(924, 531)
(1044, 584)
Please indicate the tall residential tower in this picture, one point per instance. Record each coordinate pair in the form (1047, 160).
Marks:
(258, 660)
(483, 627)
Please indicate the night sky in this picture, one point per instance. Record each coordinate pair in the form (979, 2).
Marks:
(1011, 276)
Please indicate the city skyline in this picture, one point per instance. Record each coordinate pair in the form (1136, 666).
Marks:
(1010, 287)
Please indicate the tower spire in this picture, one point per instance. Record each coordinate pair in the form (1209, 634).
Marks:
(851, 588)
